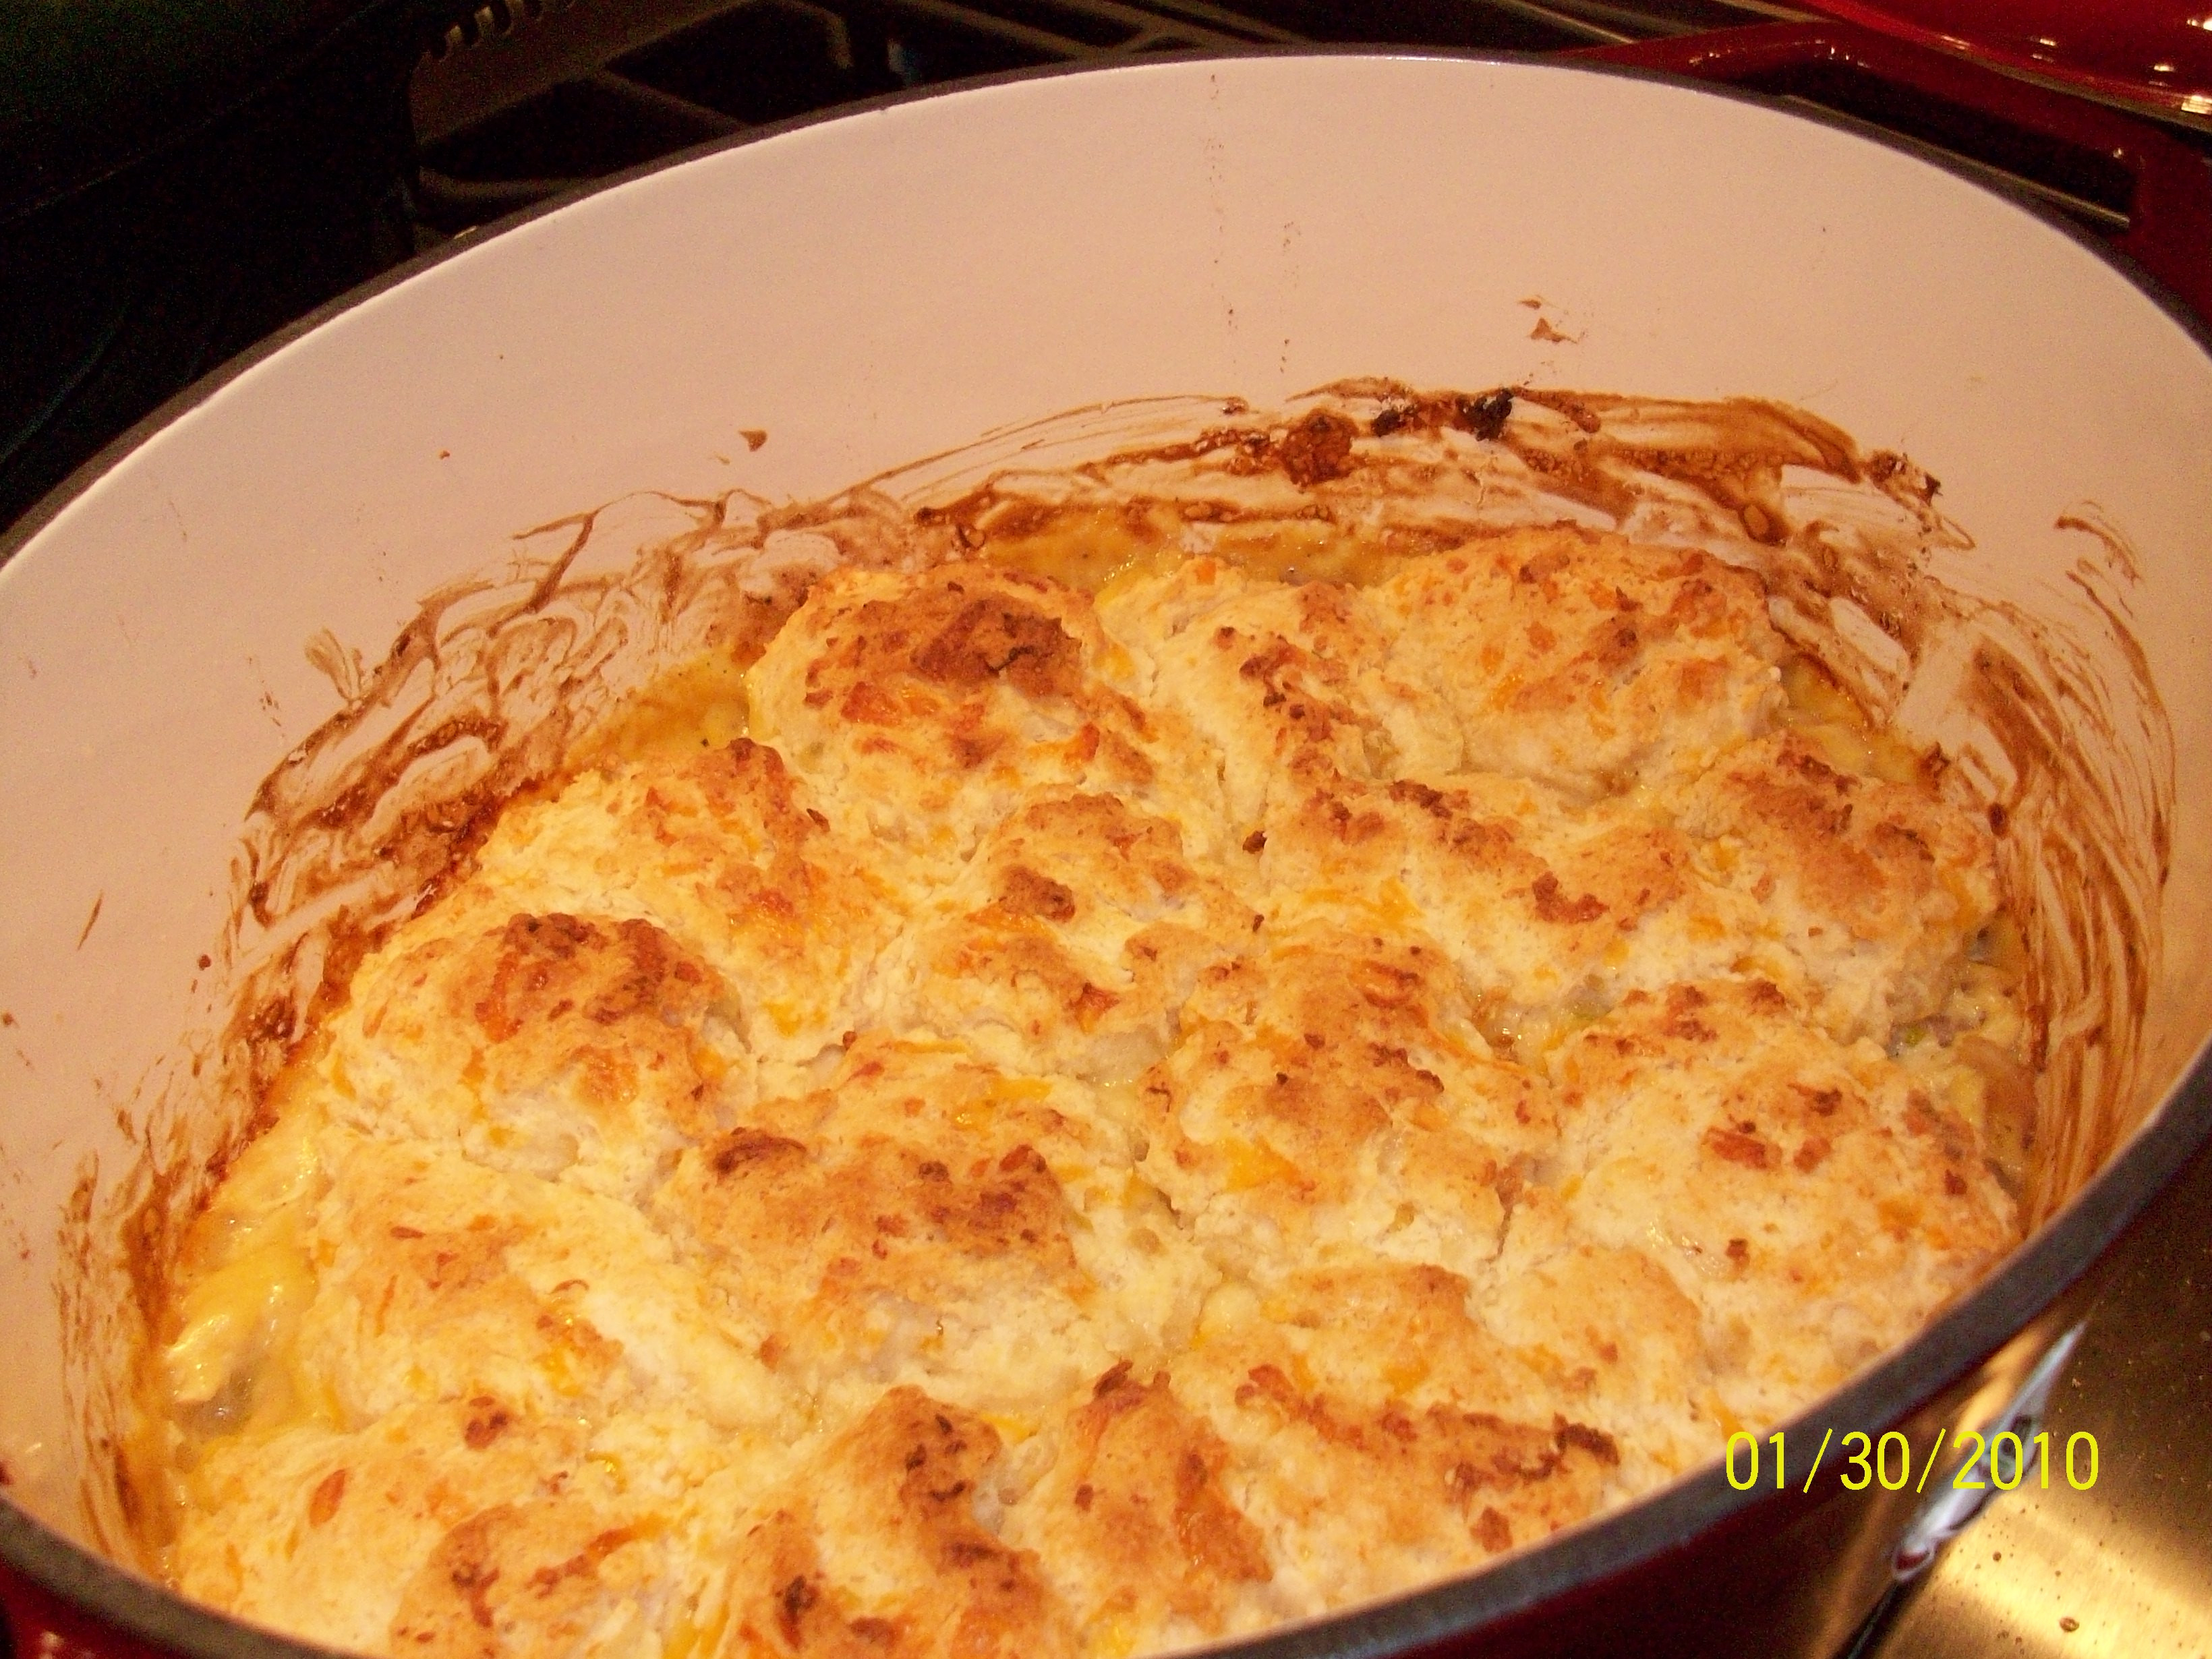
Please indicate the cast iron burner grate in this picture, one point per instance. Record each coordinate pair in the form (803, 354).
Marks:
(528, 98)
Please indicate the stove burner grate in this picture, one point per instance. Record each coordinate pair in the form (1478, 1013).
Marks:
(529, 98)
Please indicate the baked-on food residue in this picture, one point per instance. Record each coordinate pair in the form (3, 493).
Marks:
(1129, 1055)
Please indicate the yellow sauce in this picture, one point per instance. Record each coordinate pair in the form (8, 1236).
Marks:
(700, 703)
(1829, 717)
(230, 1364)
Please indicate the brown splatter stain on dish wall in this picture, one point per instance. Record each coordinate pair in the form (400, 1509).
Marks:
(2088, 843)
(2052, 724)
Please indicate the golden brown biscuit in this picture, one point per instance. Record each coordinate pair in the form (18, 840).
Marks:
(1814, 1200)
(927, 706)
(929, 1219)
(728, 851)
(1381, 1437)
(876, 1548)
(1069, 943)
(1289, 685)
(1332, 1092)
(1134, 1522)
(553, 1576)
(582, 1048)
(1549, 911)
(1874, 889)
(1582, 660)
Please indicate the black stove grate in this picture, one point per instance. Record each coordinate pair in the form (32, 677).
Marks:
(524, 100)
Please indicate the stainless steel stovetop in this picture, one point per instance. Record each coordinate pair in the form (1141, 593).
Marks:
(2124, 1570)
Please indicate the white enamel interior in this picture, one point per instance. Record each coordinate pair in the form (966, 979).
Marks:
(874, 289)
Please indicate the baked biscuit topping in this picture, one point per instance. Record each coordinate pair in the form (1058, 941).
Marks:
(1587, 664)
(1050, 1123)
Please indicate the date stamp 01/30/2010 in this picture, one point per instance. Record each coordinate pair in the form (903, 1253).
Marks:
(1996, 1462)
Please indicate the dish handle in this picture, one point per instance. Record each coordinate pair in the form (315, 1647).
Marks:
(2168, 230)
